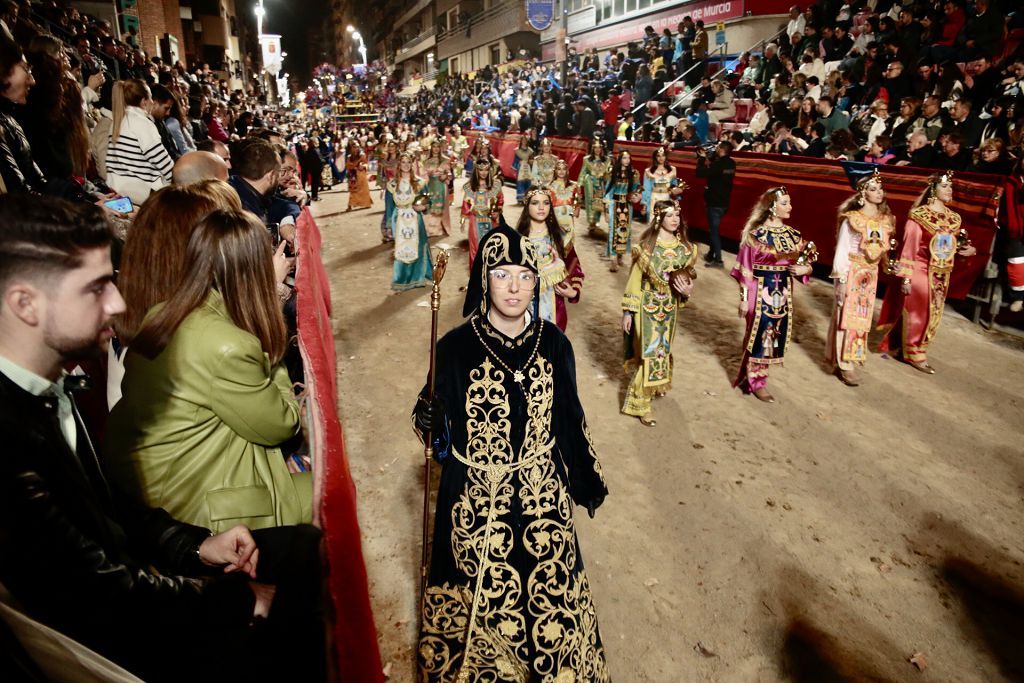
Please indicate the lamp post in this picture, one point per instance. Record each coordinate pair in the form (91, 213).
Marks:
(362, 44)
(260, 13)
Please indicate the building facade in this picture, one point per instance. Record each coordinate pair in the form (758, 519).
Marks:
(472, 34)
(611, 24)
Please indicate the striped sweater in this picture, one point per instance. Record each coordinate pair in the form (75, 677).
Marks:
(138, 151)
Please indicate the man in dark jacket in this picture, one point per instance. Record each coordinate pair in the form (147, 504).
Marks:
(17, 167)
(717, 193)
(255, 171)
(564, 117)
(75, 554)
(585, 120)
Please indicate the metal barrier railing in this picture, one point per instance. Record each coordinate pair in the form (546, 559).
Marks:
(759, 45)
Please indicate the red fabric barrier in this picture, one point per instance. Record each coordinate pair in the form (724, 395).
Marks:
(817, 187)
(358, 657)
(503, 148)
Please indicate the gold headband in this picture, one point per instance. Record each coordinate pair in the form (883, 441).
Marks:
(875, 177)
(535, 191)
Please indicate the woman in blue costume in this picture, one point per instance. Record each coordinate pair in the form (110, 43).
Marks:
(404, 201)
(620, 194)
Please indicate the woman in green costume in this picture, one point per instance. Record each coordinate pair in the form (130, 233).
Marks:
(594, 180)
(659, 285)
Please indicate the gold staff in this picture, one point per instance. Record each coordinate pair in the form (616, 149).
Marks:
(428, 439)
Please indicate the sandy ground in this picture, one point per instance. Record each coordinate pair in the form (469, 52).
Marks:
(831, 536)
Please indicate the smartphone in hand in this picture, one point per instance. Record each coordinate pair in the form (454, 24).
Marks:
(120, 204)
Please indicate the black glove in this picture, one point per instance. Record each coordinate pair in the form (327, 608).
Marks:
(429, 416)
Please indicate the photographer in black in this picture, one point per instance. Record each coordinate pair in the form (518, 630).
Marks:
(719, 174)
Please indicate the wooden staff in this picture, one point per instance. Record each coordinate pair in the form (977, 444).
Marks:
(428, 438)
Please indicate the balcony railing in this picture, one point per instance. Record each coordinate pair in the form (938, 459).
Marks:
(417, 39)
(478, 18)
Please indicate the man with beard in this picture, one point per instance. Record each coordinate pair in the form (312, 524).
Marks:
(126, 580)
(255, 170)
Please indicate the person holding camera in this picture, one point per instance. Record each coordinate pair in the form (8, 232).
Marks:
(717, 193)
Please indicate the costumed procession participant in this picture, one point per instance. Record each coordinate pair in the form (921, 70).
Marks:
(437, 171)
(507, 597)
(866, 225)
(771, 256)
(521, 163)
(482, 200)
(660, 282)
(565, 197)
(660, 182)
(561, 276)
(932, 239)
(620, 196)
(594, 180)
(459, 145)
(387, 166)
(481, 148)
(358, 185)
(453, 166)
(404, 202)
(543, 171)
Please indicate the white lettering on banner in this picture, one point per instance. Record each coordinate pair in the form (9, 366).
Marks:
(670, 19)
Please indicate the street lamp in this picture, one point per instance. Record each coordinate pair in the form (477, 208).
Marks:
(362, 44)
(260, 13)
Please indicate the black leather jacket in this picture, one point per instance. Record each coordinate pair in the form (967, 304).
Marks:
(19, 171)
(79, 559)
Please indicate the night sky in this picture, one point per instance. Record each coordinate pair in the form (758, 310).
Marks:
(292, 19)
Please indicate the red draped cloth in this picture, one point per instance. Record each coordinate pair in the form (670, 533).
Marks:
(354, 634)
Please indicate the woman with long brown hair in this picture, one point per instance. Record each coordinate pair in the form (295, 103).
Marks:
(865, 226)
(561, 277)
(766, 265)
(482, 200)
(358, 183)
(932, 239)
(53, 119)
(660, 282)
(206, 399)
(154, 252)
(620, 194)
(405, 198)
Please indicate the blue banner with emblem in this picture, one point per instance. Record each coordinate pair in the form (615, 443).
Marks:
(540, 13)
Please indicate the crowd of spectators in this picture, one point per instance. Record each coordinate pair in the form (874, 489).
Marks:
(931, 84)
(179, 544)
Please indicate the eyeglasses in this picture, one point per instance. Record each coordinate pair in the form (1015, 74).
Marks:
(502, 279)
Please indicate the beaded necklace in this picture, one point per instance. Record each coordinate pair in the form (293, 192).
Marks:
(518, 376)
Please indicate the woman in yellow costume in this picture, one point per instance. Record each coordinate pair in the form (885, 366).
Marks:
(660, 282)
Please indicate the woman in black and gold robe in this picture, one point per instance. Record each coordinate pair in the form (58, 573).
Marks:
(507, 598)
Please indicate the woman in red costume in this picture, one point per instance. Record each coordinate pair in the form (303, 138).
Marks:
(932, 239)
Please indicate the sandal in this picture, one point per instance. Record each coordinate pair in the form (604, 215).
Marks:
(922, 367)
(647, 421)
(847, 378)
